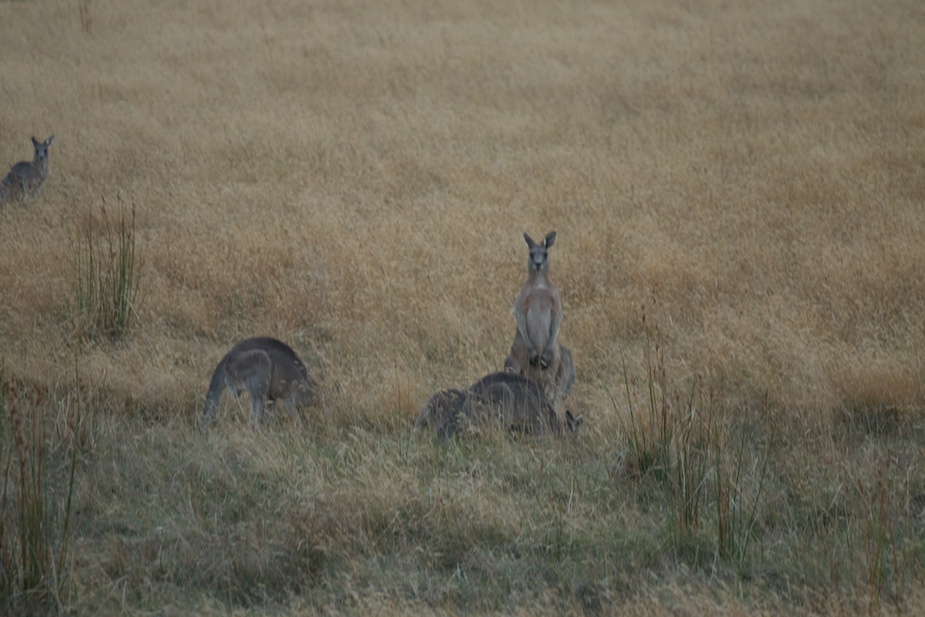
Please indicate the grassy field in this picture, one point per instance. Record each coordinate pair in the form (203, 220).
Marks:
(739, 194)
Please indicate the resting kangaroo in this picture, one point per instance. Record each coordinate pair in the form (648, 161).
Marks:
(269, 370)
(513, 402)
(439, 412)
(25, 178)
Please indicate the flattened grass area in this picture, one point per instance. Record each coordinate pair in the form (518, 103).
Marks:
(739, 195)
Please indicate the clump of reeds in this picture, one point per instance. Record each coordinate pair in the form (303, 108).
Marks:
(107, 275)
(35, 508)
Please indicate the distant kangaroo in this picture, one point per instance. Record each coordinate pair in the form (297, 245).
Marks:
(513, 402)
(538, 309)
(269, 370)
(536, 352)
(26, 179)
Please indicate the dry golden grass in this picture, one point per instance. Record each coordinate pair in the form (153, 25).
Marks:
(355, 178)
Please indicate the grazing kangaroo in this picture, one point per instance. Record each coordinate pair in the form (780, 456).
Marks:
(26, 179)
(269, 370)
(510, 401)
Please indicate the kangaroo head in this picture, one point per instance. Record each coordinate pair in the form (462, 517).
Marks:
(41, 148)
(539, 253)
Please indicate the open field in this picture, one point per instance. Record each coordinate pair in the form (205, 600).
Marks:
(739, 194)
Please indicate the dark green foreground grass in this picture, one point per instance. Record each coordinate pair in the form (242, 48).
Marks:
(338, 518)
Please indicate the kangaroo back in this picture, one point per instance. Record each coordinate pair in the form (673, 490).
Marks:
(268, 369)
(522, 405)
(504, 400)
(289, 379)
(516, 402)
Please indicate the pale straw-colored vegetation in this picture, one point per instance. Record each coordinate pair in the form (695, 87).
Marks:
(739, 194)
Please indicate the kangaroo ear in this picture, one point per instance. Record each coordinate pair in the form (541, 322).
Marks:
(49, 140)
(550, 239)
(530, 243)
(35, 142)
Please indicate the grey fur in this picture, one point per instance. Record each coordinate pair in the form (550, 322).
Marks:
(439, 412)
(269, 370)
(538, 309)
(26, 179)
(556, 389)
(536, 352)
(509, 401)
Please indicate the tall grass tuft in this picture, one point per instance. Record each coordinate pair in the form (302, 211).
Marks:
(107, 275)
(649, 431)
(33, 526)
(736, 506)
(689, 458)
(680, 441)
(884, 558)
(669, 440)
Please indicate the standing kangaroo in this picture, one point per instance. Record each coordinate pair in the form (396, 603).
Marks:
(269, 370)
(512, 402)
(25, 178)
(536, 352)
(538, 309)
